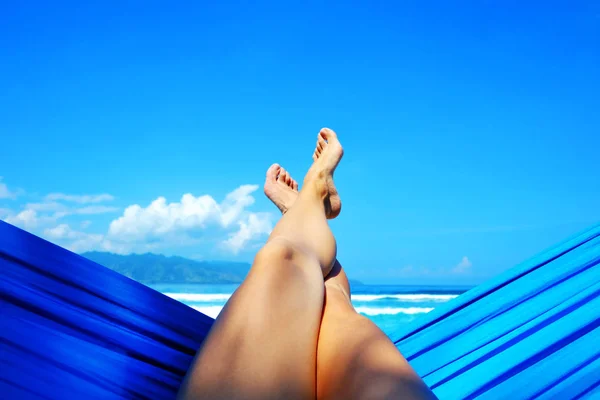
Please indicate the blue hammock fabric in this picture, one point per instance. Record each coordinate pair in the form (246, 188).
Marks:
(70, 328)
(530, 333)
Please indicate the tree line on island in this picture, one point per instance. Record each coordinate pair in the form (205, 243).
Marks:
(152, 268)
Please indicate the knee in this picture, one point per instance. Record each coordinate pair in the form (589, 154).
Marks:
(281, 252)
(278, 249)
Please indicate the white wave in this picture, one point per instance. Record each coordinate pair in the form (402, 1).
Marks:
(392, 310)
(211, 311)
(207, 297)
(199, 297)
(404, 297)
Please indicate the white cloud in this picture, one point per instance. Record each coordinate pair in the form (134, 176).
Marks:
(89, 210)
(80, 242)
(35, 217)
(76, 241)
(158, 226)
(159, 218)
(62, 231)
(235, 203)
(162, 221)
(463, 266)
(46, 206)
(28, 219)
(5, 193)
(81, 199)
(62, 210)
(255, 226)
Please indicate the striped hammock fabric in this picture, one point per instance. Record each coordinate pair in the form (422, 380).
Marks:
(530, 333)
(70, 328)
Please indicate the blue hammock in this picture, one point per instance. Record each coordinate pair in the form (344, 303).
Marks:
(70, 328)
(530, 333)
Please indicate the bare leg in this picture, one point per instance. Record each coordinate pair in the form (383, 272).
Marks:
(263, 344)
(355, 359)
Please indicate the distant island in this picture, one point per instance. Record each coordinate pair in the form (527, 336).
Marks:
(152, 268)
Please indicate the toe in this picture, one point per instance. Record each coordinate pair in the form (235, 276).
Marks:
(282, 175)
(272, 172)
(315, 156)
(321, 141)
(318, 149)
(327, 134)
(288, 180)
(294, 185)
(319, 146)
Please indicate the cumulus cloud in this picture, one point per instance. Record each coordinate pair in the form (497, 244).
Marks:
(29, 220)
(35, 217)
(5, 193)
(81, 199)
(62, 231)
(158, 226)
(160, 217)
(161, 224)
(161, 220)
(80, 241)
(235, 203)
(463, 266)
(255, 226)
(76, 241)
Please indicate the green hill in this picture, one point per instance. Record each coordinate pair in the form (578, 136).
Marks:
(156, 268)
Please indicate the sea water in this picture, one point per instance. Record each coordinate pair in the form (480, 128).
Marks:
(389, 307)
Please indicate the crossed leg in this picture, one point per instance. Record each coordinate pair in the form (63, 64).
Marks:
(263, 345)
(275, 339)
(355, 359)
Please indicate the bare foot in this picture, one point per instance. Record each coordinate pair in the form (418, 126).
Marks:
(280, 188)
(327, 156)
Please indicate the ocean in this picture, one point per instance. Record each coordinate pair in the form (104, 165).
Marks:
(389, 306)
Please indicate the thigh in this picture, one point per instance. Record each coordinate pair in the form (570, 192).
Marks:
(356, 360)
(263, 344)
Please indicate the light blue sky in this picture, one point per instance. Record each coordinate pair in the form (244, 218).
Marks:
(471, 131)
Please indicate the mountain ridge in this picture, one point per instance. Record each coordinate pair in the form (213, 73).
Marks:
(152, 268)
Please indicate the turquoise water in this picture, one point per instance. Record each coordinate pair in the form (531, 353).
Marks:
(390, 307)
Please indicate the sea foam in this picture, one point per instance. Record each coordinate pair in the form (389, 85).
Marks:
(213, 311)
(404, 297)
(392, 310)
(195, 301)
(199, 297)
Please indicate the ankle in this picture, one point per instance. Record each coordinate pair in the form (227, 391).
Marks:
(315, 185)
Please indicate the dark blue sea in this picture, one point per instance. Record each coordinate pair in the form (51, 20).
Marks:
(391, 307)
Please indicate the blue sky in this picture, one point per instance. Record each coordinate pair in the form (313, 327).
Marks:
(471, 132)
